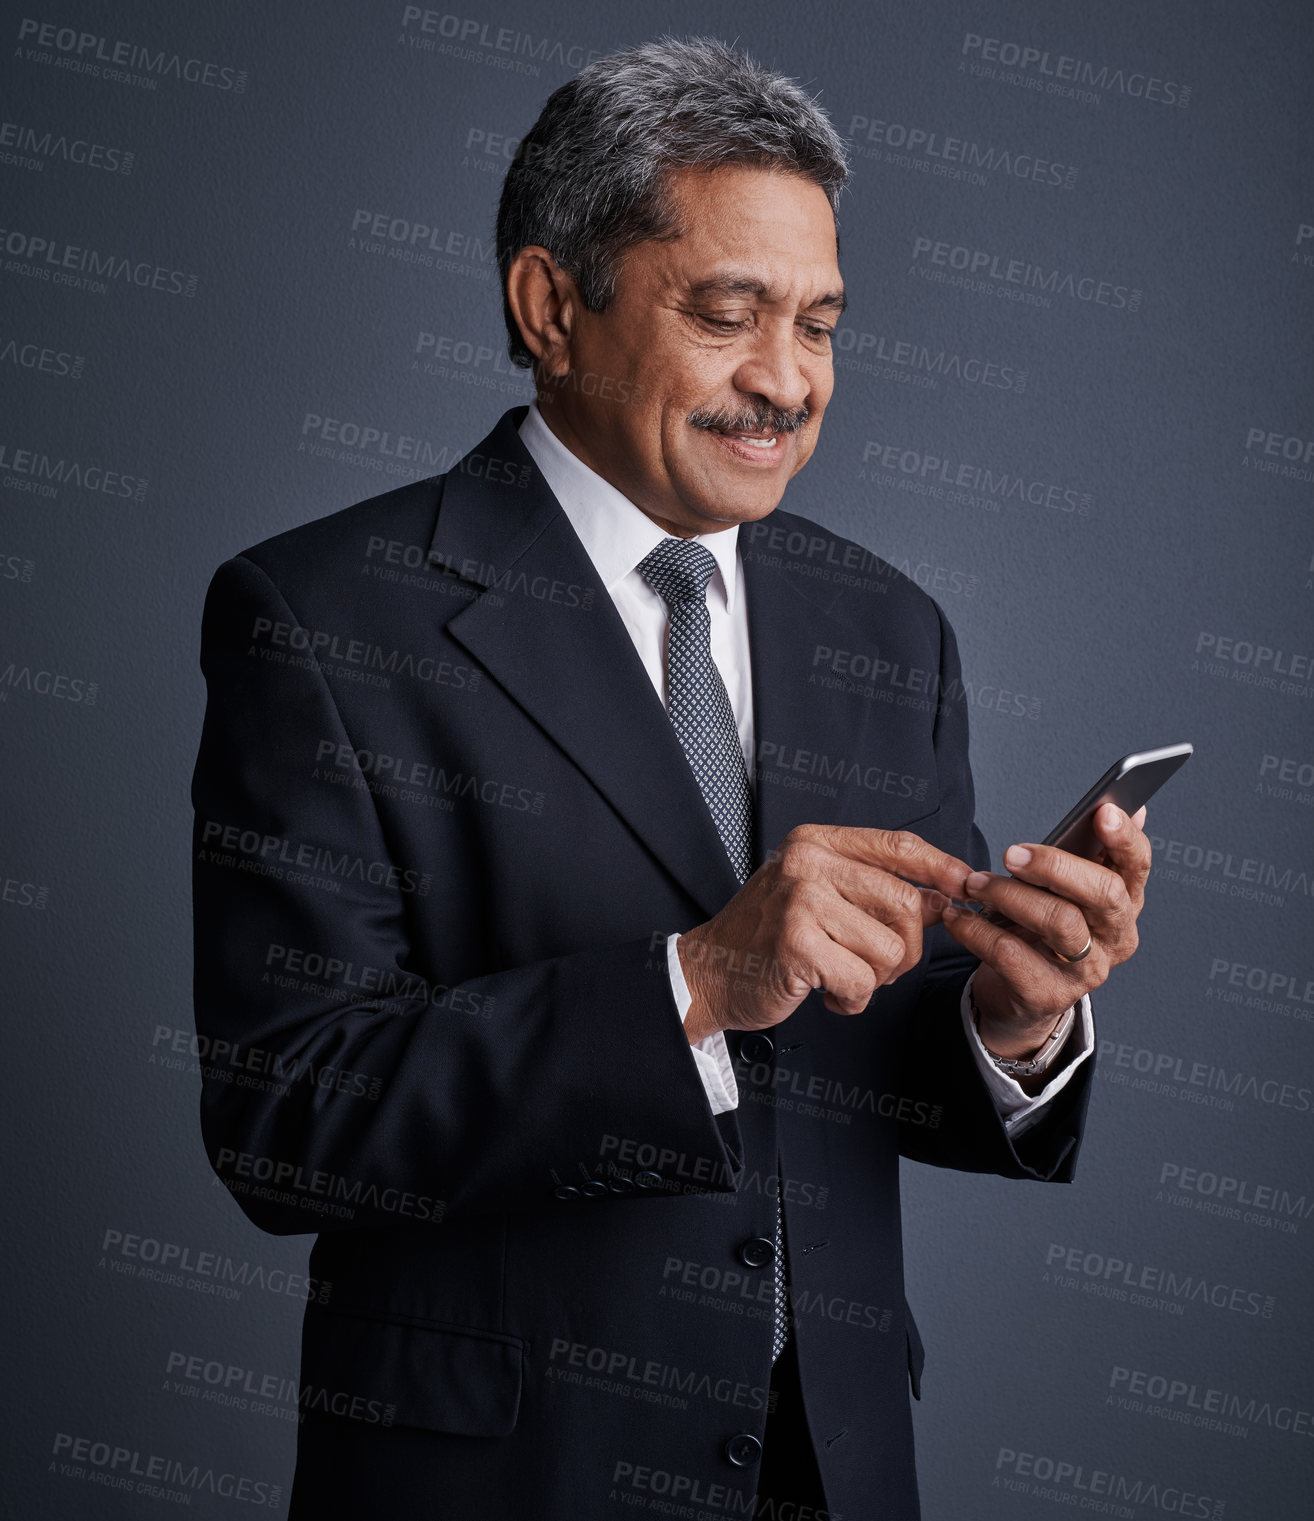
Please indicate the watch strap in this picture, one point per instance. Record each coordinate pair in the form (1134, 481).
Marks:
(1043, 1059)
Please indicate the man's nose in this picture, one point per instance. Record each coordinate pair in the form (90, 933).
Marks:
(774, 367)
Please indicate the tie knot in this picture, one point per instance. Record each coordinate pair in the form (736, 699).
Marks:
(678, 570)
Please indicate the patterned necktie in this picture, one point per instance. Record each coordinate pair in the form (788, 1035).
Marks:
(678, 570)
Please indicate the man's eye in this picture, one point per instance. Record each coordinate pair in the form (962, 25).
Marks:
(814, 331)
(726, 324)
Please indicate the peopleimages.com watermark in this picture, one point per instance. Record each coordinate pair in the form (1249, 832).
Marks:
(1147, 1285)
(134, 1471)
(340, 654)
(407, 240)
(1270, 1206)
(32, 148)
(23, 894)
(958, 482)
(44, 682)
(177, 1265)
(920, 364)
(42, 358)
(950, 155)
(320, 1192)
(1254, 663)
(1100, 1491)
(42, 474)
(1188, 1403)
(121, 61)
(91, 269)
(985, 271)
(1064, 74)
(1170, 1074)
(226, 1061)
(1270, 990)
(230, 845)
(470, 39)
(1275, 453)
(612, 1371)
(232, 1386)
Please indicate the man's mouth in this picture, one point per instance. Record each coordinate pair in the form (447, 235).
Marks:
(763, 427)
(757, 436)
(765, 451)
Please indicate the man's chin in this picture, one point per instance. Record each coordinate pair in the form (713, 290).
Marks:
(729, 511)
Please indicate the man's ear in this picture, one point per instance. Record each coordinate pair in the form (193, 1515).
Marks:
(543, 299)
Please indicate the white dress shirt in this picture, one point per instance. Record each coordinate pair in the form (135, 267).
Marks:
(617, 535)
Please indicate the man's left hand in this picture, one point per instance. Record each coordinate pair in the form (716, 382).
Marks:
(1055, 902)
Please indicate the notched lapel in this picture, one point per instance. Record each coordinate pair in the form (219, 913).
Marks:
(549, 634)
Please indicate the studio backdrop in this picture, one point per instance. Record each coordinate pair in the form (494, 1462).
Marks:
(249, 278)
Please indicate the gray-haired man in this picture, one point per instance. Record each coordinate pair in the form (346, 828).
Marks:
(669, 1024)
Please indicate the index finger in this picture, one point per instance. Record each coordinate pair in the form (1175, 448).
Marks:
(903, 854)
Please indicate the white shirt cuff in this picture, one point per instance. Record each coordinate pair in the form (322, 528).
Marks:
(712, 1055)
(1018, 1109)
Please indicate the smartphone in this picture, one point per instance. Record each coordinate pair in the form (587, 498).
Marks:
(1129, 782)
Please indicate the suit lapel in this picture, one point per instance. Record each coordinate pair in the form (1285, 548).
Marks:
(572, 668)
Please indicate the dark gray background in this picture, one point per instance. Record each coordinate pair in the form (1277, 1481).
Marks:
(1095, 629)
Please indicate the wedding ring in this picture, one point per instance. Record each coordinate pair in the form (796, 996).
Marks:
(1081, 954)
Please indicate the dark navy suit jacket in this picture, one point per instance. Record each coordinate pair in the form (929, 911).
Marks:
(443, 825)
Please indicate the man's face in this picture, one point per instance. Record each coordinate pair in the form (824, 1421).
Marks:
(699, 392)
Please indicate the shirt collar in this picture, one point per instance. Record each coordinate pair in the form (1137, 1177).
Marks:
(616, 533)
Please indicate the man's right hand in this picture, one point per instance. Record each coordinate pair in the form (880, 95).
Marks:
(836, 908)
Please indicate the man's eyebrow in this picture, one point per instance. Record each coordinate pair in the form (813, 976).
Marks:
(747, 285)
(835, 301)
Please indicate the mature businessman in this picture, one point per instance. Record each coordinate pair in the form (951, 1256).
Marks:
(587, 1042)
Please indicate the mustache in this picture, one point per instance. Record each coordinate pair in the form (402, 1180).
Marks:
(759, 418)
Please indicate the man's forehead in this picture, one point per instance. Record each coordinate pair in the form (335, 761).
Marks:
(740, 199)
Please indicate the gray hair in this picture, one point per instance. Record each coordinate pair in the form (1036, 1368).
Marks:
(589, 178)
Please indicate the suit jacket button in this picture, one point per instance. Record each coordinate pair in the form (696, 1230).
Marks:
(757, 1251)
(593, 1189)
(743, 1450)
(566, 1192)
(756, 1048)
(621, 1185)
(648, 1179)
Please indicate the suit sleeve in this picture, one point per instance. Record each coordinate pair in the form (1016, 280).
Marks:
(395, 1103)
(936, 1056)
